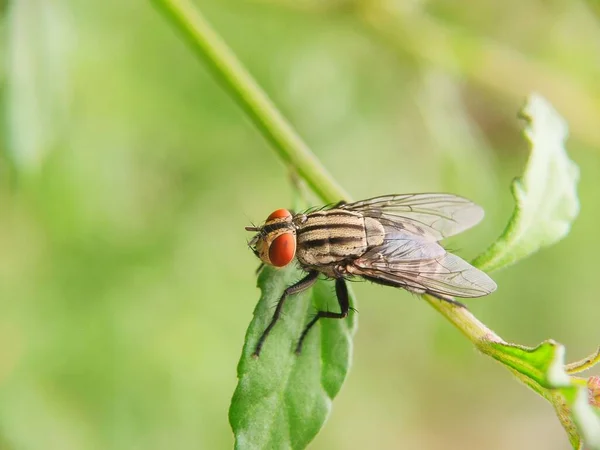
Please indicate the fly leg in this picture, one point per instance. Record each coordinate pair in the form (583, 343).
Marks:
(445, 298)
(300, 286)
(448, 299)
(341, 291)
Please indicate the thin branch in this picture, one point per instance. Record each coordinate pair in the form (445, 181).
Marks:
(227, 69)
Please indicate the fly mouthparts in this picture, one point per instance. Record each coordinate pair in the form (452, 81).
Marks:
(252, 229)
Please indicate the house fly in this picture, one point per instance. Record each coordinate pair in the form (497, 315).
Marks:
(390, 240)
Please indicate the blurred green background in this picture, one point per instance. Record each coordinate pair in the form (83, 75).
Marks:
(127, 177)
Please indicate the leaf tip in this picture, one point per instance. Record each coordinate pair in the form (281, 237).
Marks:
(542, 117)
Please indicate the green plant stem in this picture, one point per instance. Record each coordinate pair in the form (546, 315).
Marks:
(471, 327)
(483, 338)
(584, 364)
(227, 69)
(466, 322)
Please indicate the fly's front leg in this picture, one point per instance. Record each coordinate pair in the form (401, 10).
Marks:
(300, 286)
(341, 291)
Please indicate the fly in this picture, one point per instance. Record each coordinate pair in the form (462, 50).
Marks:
(390, 240)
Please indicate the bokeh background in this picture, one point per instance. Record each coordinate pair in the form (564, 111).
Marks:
(127, 176)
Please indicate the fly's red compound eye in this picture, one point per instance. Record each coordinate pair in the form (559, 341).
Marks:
(282, 249)
(279, 214)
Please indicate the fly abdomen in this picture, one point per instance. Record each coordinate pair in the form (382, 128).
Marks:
(327, 237)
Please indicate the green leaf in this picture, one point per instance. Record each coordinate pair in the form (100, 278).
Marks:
(546, 195)
(543, 369)
(542, 364)
(282, 400)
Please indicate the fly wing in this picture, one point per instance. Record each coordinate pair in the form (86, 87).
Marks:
(434, 216)
(422, 266)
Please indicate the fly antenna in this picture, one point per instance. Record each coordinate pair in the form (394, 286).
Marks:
(253, 227)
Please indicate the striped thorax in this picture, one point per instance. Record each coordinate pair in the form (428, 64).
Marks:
(333, 237)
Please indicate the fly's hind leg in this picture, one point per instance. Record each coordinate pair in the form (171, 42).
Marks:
(447, 299)
(341, 291)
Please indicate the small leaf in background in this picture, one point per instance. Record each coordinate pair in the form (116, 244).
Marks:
(282, 400)
(543, 369)
(546, 195)
(542, 364)
(546, 206)
(38, 46)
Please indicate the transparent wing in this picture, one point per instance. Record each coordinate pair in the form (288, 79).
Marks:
(422, 266)
(435, 216)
